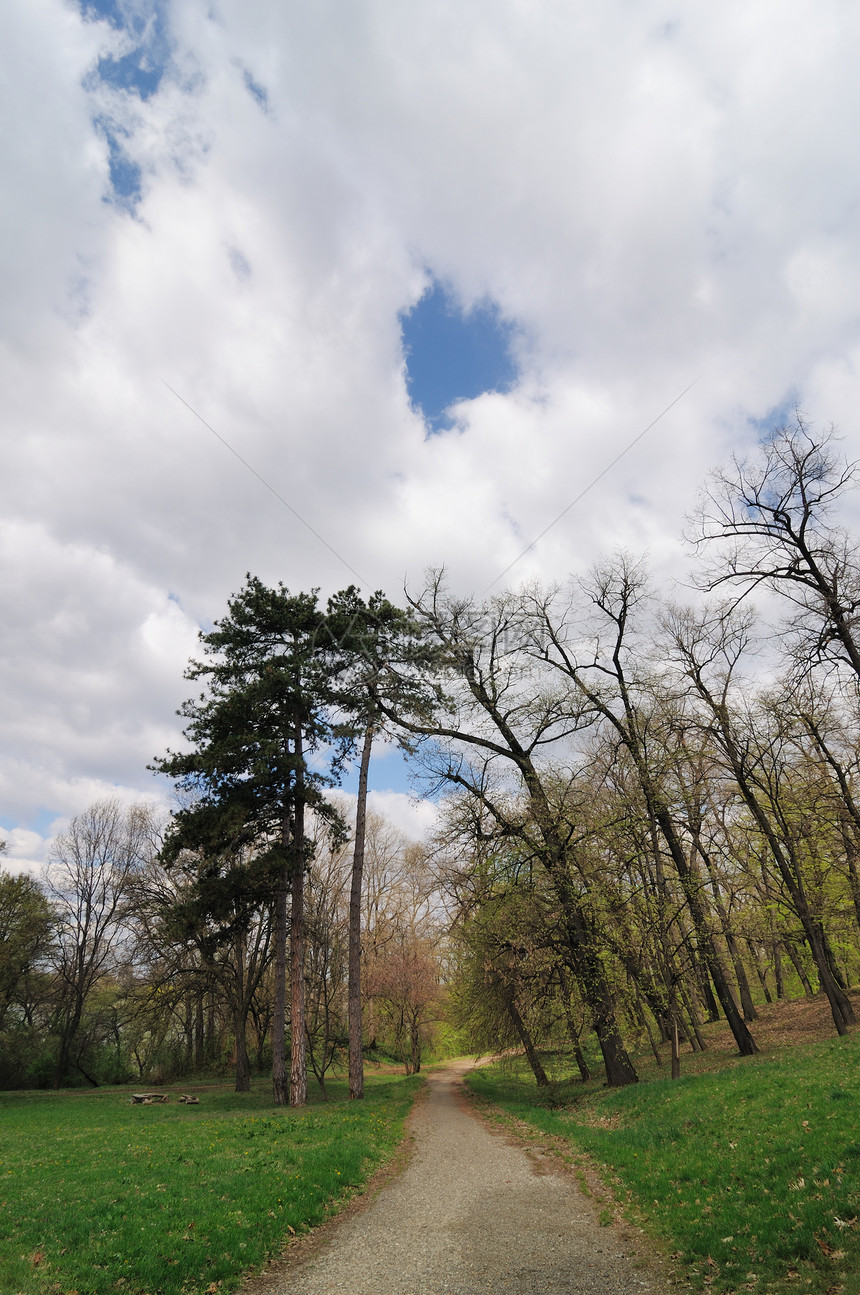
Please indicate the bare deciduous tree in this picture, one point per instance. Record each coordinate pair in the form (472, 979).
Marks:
(88, 876)
(768, 521)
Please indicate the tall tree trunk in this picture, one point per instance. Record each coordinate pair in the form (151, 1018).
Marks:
(829, 977)
(188, 1031)
(573, 1032)
(211, 1039)
(830, 955)
(747, 1005)
(415, 1042)
(620, 1070)
(794, 959)
(840, 1004)
(279, 1018)
(850, 812)
(777, 970)
(527, 1041)
(198, 1030)
(695, 1021)
(652, 1041)
(68, 1033)
(588, 971)
(676, 1056)
(243, 1067)
(62, 1066)
(240, 1020)
(356, 1061)
(298, 1040)
(853, 878)
(711, 1004)
(762, 977)
(690, 885)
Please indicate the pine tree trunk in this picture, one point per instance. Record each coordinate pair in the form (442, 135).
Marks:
(240, 1020)
(298, 1040)
(279, 1018)
(356, 1062)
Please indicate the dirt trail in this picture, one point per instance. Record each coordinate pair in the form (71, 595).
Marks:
(472, 1213)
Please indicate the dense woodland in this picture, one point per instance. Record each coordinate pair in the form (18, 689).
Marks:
(649, 818)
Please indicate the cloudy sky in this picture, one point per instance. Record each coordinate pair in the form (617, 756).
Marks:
(427, 269)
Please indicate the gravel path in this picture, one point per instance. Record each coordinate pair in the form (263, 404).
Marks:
(472, 1213)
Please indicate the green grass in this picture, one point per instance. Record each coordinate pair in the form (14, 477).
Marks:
(751, 1176)
(100, 1196)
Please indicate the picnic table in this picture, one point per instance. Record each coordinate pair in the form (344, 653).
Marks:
(150, 1099)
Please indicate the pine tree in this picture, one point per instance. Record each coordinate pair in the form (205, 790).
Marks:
(270, 706)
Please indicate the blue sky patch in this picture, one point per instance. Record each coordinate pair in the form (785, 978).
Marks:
(452, 354)
(781, 415)
(254, 88)
(39, 820)
(124, 173)
(108, 9)
(390, 770)
(140, 70)
(134, 71)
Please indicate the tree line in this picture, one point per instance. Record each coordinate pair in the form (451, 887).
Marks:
(657, 808)
(112, 971)
(649, 813)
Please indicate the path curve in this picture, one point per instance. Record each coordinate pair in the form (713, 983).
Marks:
(472, 1213)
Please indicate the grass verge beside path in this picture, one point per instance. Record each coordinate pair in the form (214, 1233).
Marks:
(751, 1174)
(99, 1196)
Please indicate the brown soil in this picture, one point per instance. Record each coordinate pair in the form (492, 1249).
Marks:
(785, 1024)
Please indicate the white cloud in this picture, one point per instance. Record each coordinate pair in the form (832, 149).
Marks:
(417, 819)
(26, 851)
(91, 673)
(656, 195)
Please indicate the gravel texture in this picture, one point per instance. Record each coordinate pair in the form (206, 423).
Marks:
(473, 1212)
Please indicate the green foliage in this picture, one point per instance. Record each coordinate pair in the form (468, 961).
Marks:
(448, 1042)
(269, 668)
(26, 926)
(752, 1175)
(98, 1195)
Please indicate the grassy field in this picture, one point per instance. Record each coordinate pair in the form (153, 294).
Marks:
(100, 1196)
(749, 1170)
